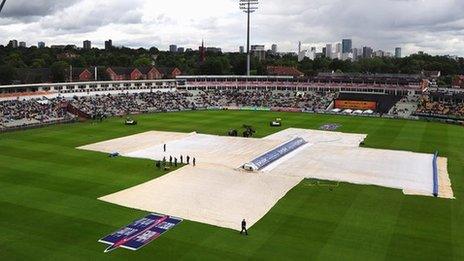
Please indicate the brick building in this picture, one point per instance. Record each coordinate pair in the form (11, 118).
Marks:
(82, 75)
(284, 71)
(145, 73)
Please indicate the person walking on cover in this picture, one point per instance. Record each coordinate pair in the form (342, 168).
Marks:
(188, 159)
(244, 228)
(181, 159)
(194, 162)
(164, 147)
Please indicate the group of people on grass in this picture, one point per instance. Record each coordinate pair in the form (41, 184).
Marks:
(173, 161)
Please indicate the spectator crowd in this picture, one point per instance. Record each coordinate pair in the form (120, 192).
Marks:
(448, 108)
(18, 112)
(24, 112)
(132, 103)
(309, 101)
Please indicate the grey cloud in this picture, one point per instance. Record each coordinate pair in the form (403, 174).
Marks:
(80, 18)
(24, 9)
(380, 23)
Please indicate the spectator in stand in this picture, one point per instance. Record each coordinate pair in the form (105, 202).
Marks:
(18, 112)
(312, 101)
(448, 108)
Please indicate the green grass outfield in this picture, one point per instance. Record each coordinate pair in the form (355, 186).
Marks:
(49, 208)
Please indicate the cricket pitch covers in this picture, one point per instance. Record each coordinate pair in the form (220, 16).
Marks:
(218, 192)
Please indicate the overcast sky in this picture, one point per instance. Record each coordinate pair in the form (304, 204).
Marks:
(434, 26)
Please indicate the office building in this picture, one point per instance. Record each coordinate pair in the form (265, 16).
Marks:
(357, 52)
(41, 45)
(87, 45)
(398, 52)
(241, 49)
(213, 49)
(258, 51)
(180, 49)
(347, 45)
(367, 52)
(328, 51)
(274, 48)
(22, 44)
(312, 53)
(301, 55)
(108, 44)
(173, 48)
(379, 53)
(13, 44)
(58, 46)
(338, 48)
(346, 56)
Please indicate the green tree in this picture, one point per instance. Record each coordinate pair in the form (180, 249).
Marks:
(38, 63)
(15, 59)
(59, 71)
(7, 74)
(142, 62)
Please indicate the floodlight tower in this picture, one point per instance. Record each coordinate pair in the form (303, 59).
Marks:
(248, 7)
(1, 5)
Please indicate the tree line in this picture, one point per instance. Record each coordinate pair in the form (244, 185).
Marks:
(59, 60)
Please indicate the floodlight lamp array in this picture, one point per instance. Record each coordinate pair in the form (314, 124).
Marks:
(249, 6)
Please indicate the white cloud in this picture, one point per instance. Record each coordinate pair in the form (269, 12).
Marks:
(429, 25)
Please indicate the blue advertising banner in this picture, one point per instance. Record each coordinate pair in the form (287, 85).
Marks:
(277, 153)
(140, 232)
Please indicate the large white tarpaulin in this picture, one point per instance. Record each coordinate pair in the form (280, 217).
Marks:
(219, 193)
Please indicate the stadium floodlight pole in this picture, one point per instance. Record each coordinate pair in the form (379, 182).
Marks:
(1, 6)
(248, 6)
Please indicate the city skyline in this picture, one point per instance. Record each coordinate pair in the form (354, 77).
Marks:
(341, 47)
(429, 26)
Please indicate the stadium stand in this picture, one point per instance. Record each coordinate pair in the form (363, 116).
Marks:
(17, 113)
(407, 96)
(308, 101)
(405, 107)
(442, 103)
(132, 103)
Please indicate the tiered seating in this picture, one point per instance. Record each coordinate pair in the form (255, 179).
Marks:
(448, 108)
(16, 113)
(311, 101)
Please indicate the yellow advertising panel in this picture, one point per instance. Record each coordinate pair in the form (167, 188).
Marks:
(356, 105)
